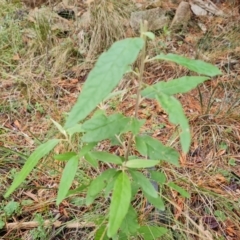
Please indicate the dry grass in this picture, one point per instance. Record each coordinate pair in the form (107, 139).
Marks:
(109, 21)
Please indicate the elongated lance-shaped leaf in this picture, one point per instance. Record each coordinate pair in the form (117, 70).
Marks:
(67, 178)
(120, 203)
(107, 73)
(144, 183)
(156, 202)
(106, 157)
(159, 177)
(176, 116)
(179, 85)
(198, 66)
(30, 163)
(141, 163)
(65, 156)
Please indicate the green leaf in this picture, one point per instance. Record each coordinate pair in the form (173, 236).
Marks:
(152, 232)
(2, 224)
(154, 149)
(98, 184)
(64, 156)
(86, 149)
(179, 85)
(106, 157)
(156, 202)
(130, 223)
(78, 201)
(77, 190)
(193, 65)
(176, 116)
(134, 125)
(30, 163)
(102, 127)
(110, 185)
(106, 74)
(144, 183)
(11, 208)
(150, 35)
(120, 203)
(220, 215)
(101, 234)
(140, 163)
(91, 159)
(135, 188)
(67, 178)
(158, 177)
(182, 191)
(75, 129)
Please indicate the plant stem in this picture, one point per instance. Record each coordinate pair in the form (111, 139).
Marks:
(140, 81)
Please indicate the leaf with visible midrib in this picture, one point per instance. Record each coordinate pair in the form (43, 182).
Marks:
(120, 203)
(106, 74)
(144, 183)
(67, 178)
(154, 149)
(198, 66)
(176, 116)
(179, 85)
(30, 163)
(141, 163)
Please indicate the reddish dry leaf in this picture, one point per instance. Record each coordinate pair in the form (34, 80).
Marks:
(183, 159)
(17, 125)
(178, 211)
(230, 228)
(31, 195)
(221, 152)
(231, 231)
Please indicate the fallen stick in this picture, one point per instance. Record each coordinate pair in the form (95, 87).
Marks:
(56, 224)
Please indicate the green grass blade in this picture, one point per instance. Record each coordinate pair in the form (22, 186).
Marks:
(179, 189)
(31, 162)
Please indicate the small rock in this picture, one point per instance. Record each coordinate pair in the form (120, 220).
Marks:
(182, 15)
(155, 17)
